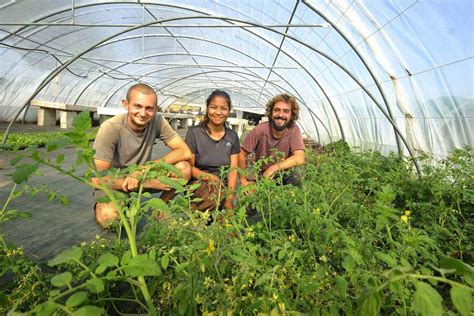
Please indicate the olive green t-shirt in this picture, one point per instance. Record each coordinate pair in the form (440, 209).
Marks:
(117, 143)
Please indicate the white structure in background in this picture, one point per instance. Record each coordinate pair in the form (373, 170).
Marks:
(238, 124)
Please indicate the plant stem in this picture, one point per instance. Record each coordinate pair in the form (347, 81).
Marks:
(425, 277)
(10, 197)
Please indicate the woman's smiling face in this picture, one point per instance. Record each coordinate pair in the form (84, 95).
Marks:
(218, 111)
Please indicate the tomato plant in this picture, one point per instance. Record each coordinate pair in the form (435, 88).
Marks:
(363, 235)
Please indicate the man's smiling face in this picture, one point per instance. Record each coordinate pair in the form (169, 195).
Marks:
(281, 115)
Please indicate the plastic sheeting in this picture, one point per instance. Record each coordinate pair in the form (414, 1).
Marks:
(355, 66)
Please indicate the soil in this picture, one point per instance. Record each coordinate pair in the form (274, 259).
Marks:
(52, 227)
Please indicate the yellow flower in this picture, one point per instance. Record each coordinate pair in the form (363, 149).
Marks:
(210, 247)
(281, 306)
(407, 212)
(404, 218)
(208, 282)
(83, 244)
(323, 258)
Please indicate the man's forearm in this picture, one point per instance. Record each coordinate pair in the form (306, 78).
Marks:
(175, 156)
(108, 181)
(242, 165)
(294, 160)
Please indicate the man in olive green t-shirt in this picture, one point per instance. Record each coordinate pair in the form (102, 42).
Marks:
(128, 139)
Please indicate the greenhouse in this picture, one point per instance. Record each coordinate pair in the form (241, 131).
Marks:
(369, 103)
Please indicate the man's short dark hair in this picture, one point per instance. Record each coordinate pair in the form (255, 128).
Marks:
(142, 88)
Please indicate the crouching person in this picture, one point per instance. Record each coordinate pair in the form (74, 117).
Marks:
(279, 138)
(127, 139)
(213, 145)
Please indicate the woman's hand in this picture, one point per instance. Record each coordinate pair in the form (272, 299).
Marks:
(209, 177)
(229, 203)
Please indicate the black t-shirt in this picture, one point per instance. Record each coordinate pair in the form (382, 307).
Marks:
(212, 154)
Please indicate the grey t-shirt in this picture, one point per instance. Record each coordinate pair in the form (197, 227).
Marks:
(212, 154)
(117, 143)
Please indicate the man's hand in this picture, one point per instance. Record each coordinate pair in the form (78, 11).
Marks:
(130, 184)
(270, 172)
(247, 186)
(244, 182)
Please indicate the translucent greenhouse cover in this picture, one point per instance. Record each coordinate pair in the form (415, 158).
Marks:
(363, 71)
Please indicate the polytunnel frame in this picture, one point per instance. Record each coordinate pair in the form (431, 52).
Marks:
(213, 57)
(175, 36)
(111, 94)
(150, 56)
(279, 49)
(202, 94)
(255, 75)
(208, 14)
(227, 19)
(234, 72)
(362, 59)
(143, 6)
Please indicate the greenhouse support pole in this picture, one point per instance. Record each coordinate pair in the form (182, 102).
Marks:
(204, 13)
(59, 69)
(369, 69)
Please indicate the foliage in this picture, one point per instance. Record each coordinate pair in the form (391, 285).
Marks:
(18, 141)
(363, 235)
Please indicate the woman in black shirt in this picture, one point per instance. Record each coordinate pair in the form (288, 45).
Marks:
(213, 146)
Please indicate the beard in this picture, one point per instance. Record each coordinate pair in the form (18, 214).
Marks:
(279, 127)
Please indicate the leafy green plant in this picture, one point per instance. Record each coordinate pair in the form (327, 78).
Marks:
(18, 141)
(363, 235)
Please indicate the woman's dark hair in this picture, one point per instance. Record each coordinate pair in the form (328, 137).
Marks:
(214, 94)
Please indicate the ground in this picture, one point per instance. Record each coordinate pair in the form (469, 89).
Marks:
(52, 226)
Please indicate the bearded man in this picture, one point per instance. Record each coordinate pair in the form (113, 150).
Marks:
(279, 138)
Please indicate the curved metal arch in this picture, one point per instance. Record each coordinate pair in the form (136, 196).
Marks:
(231, 88)
(256, 102)
(234, 72)
(199, 96)
(362, 59)
(226, 46)
(21, 28)
(274, 84)
(145, 57)
(208, 90)
(207, 56)
(259, 36)
(59, 69)
(185, 87)
(155, 86)
(158, 70)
